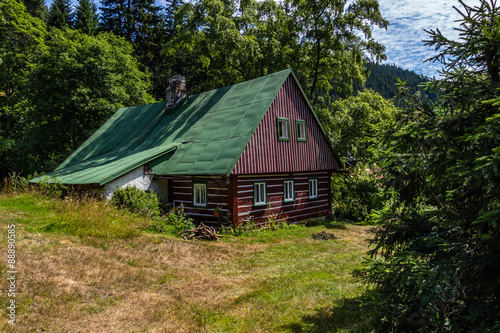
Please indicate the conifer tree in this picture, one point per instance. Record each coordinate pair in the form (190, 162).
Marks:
(36, 8)
(439, 244)
(86, 18)
(60, 14)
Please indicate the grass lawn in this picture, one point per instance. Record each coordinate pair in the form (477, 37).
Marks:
(72, 281)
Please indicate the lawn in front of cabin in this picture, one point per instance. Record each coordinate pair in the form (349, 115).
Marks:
(88, 267)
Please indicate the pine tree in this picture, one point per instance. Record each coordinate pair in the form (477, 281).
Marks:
(440, 240)
(143, 24)
(86, 18)
(60, 14)
(36, 8)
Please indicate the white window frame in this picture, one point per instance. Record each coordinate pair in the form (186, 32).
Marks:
(300, 127)
(260, 193)
(288, 190)
(313, 188)
(283, 125)
(200, 197)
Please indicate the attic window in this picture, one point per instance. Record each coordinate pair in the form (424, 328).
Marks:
(200, 194)
(283, 129)
(300, 129)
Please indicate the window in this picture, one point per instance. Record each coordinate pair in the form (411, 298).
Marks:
(200, 194)
(260, 193)
(288, 190)
(300, 129)
(283, 129)
(313, 188)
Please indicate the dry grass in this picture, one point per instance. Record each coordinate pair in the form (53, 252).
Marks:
(155, 283)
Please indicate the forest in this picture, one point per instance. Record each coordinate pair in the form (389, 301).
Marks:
(424, 163)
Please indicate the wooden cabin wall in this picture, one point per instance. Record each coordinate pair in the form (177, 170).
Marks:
(182, 192)
(300, 209)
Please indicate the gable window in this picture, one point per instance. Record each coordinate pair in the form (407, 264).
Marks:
(199, 194)
(300, 129)
(313, 188)
(283, 129)
(260, 193)
(288, 190)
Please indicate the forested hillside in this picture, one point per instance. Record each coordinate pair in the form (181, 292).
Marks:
(383, 79)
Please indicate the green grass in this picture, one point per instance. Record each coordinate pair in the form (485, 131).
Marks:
(88, 275)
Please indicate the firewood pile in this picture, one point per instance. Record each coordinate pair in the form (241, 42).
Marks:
(200, 232)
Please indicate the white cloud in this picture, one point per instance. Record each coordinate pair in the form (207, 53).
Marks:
(408, 19)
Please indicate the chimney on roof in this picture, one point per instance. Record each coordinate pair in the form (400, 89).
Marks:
(176, 90)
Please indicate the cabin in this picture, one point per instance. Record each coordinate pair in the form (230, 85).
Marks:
(243, 152)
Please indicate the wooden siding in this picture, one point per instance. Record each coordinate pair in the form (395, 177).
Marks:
(266, 154)
(217, 190)
(301, 208)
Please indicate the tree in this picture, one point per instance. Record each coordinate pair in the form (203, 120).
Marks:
(143, 24)
(325, 42)
(335, 41)
(440, 240)
(21, 41)
(90, 78)
(86, 19)
(353, 124)
(60, 14)
(36, 8)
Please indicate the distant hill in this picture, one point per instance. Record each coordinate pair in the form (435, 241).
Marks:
(383, 79)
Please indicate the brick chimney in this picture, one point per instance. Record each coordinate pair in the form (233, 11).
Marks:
(176, 90)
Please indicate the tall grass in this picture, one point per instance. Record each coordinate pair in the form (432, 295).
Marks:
(91, 217)
(78, 213)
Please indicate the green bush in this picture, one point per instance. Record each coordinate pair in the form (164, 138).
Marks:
(137, 201)
(356, 195)
(175, 218)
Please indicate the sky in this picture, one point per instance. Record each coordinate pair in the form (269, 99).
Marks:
(407, 21)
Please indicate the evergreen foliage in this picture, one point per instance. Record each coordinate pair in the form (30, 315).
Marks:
(37, 8)
(439, 245)
(86, 19)
(60, 15)
(384, 78)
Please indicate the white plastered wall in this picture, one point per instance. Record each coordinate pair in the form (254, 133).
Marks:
(138, 179)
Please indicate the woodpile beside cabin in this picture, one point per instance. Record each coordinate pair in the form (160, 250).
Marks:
(248, 150)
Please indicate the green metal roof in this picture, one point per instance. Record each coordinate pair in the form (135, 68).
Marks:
(204, 135)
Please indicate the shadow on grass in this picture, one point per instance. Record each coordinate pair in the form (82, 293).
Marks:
(347, 316)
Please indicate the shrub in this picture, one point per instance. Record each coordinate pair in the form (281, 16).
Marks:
(137, 201)
(175, 218)
(15, 182)
(356, 195)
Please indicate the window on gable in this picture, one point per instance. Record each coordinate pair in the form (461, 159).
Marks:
(260, 193)
(313, 188)
(200, 194)
(288, 190)
(283, 129)
(300, 129)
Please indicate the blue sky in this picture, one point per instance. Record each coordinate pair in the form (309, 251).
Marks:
(408, 19)
(403, 38)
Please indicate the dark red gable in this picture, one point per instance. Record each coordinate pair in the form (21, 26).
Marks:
(266, 154)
